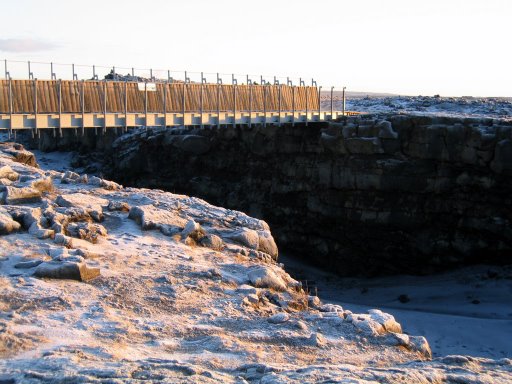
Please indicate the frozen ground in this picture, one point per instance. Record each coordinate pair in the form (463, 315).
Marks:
(101, 283)
(467, 311)
(497, 108)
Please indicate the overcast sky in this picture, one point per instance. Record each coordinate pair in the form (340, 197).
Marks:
(447, 47)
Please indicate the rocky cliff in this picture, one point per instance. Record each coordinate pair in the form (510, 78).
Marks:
(368, 194)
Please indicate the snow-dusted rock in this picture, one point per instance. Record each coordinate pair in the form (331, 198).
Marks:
(420, 344)
(151, 217)
(43, 184)
(86, 231)
(193, 230)
(265, 277)
(279, 318)
(267, 244)
(70, 177)
(212, 241)
(24, 195)
(246, 237)
(66, 270)
(256, 240)
(331, 308)
(6, 172)
(318, 340)
(28, 264)
(40, 232)
(109, 185)
(7, 224)
(64, 240)
(91, 204)
(115, 205)
(386, 320)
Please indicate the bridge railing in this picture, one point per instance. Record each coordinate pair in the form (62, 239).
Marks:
(82, 99)
(68, 96)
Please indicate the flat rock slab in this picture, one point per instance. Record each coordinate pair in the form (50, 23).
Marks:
(66, 270)
(27, 265)
(81, 200)
(14, 195)
(91, 204)
(151, 217)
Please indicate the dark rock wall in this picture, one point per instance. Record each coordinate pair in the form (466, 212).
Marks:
(367, 195)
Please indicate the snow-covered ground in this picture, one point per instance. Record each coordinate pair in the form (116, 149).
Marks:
(101, 283)
(466, 311)
(497, 108)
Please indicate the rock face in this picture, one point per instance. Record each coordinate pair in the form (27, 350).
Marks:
(368, 195)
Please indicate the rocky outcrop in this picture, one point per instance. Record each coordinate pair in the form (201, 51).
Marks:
(368, 194)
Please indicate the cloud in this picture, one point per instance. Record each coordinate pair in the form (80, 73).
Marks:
(25, 45)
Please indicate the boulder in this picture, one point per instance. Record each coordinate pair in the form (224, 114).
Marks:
(246, 237)
(118, 206)
(257, 240)
(265, 277)
(193, 230)
(7, 224)
(386, 320)
(267, 244)
(109, 185)
(25, 195)
(420, 344)
(66, 270)
(212, 241)
(70, 177)
(21, 155)
(6, 172)
(40, 232)
(44, 184)
(366, 325)
(64, 240)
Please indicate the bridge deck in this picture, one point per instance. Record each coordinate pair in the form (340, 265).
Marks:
(129, 120)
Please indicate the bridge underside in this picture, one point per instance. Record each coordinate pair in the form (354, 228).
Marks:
(131, 120)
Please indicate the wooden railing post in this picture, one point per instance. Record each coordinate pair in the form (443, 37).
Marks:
(60, 106)
(184, 99)
(264, 106)
(104, 130)
(234, 105)
(250, 104)
(35, 108)
(306, 88)
(319, 102)
(219, 82)
(126, 105)
(279, 102)
(146, 104)
(10, 105)
(82, 100)
(165, 104)
(293, 105)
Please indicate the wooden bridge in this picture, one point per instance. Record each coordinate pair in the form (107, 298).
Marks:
(80, 104)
